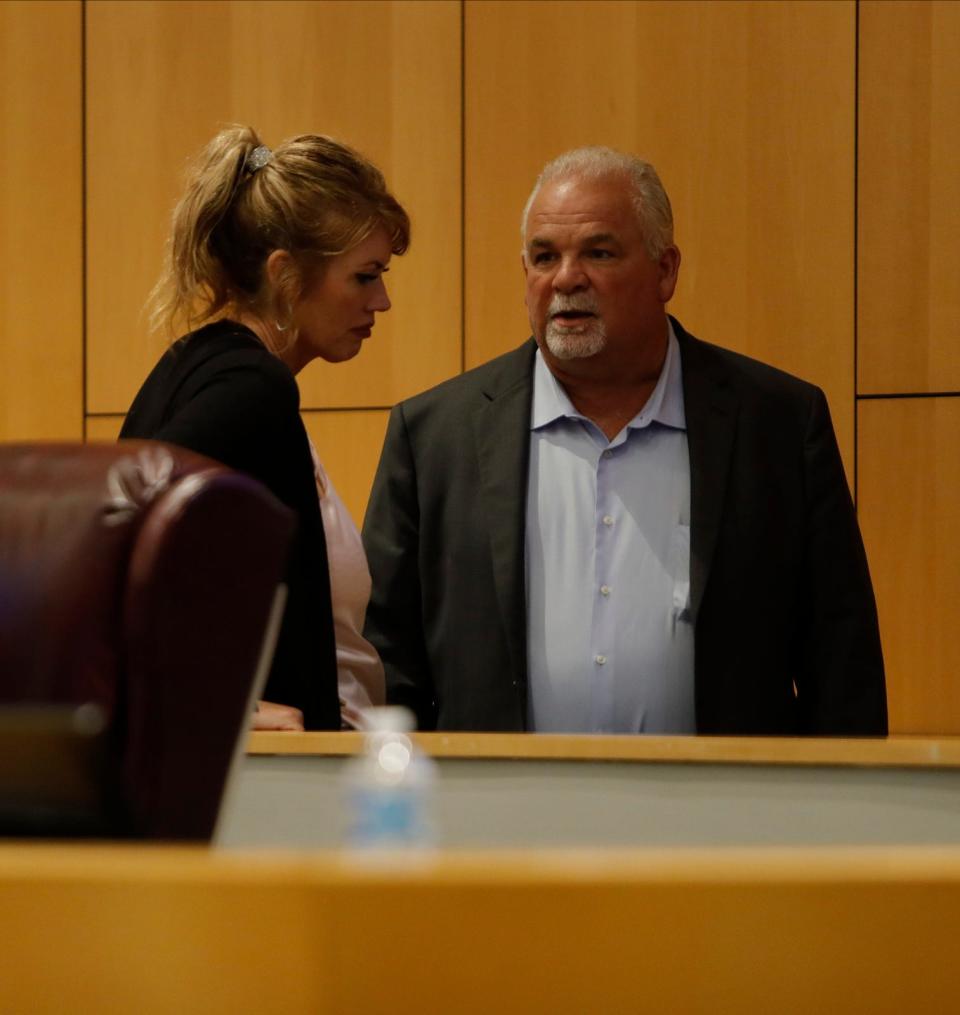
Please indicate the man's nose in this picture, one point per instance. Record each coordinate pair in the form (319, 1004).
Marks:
(569, 276)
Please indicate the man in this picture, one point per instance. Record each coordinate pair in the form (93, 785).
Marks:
(617, 527)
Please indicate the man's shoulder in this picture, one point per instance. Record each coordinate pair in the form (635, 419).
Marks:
(746, 375)
(487, 381)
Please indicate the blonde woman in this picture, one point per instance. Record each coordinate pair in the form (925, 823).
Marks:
(277, 258)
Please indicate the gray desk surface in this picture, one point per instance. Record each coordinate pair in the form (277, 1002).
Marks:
(527, 790)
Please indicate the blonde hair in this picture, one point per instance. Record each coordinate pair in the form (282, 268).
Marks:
(597, 162)
(312, 196)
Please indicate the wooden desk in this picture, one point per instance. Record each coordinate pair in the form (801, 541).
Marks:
(498, 790)
(126, 929)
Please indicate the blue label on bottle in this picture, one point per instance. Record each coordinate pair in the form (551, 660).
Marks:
(386, 817)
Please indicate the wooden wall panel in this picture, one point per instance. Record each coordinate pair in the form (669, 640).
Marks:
(909, 197)
(162, 77)
(103, 428)
(349, 444)
(909, 486)
(747, 110)
(41, 327)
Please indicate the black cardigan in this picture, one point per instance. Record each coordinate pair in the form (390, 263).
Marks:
(221, 393)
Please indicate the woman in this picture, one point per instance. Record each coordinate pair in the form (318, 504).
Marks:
(277, 258)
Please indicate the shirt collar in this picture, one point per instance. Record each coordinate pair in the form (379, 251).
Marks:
(664, 406)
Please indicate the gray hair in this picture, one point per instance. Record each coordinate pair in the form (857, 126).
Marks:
(596, 163)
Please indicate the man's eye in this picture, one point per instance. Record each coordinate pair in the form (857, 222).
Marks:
(598, 253)
(365, 278)
(543, 257)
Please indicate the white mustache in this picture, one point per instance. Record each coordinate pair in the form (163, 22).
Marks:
(561, 304)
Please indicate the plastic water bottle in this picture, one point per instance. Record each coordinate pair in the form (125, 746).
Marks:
(388, 789)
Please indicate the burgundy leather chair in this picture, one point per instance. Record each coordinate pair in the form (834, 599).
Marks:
(140, 577)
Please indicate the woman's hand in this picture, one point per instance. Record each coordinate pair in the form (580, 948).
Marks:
(271, 716)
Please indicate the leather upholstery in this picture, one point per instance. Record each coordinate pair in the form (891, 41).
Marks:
(140, 577)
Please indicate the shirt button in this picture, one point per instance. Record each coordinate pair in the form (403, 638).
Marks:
(600, 660)
(608, 520)
(608, 453)
(604, 590)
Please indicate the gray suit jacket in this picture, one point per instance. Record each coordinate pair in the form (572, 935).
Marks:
(786, 635)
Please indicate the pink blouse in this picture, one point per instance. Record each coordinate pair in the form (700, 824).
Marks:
(360, 677)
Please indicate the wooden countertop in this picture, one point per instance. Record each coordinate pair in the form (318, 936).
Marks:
(158, 930)
(123, 863)
(895, 751)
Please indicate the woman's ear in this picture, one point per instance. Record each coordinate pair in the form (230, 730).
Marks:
(284, 281)
(280, 267)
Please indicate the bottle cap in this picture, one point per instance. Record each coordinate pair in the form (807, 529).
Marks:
(388, 719)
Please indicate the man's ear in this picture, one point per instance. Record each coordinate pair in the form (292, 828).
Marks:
(669, 265)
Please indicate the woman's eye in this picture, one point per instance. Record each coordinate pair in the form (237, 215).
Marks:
(364, 278)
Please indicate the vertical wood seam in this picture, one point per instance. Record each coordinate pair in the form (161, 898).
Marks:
(856, 253)
(83, 218)
(463, 186)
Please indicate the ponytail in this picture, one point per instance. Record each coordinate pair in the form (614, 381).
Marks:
(312, 196)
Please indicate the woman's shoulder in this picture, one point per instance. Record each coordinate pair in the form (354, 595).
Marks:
(232, 353)
(225, 341)
(221, 372)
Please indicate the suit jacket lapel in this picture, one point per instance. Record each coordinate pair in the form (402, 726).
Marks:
(710, 406)
(502, 432)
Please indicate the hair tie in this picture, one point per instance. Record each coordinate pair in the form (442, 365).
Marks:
(258, 158)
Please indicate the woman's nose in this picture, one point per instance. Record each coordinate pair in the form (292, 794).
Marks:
(380, 301)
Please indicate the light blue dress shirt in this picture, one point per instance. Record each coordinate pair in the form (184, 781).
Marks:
(609, 637)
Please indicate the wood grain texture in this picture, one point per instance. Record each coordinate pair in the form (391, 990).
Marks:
(385, 77)
(41, 240)
(880, 752)
(349, 445)
(103, 428)
(909, 480)
(154, 929)
(909, 198)
(746, 109)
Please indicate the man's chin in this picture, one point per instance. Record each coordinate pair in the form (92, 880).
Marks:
(566, 345)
